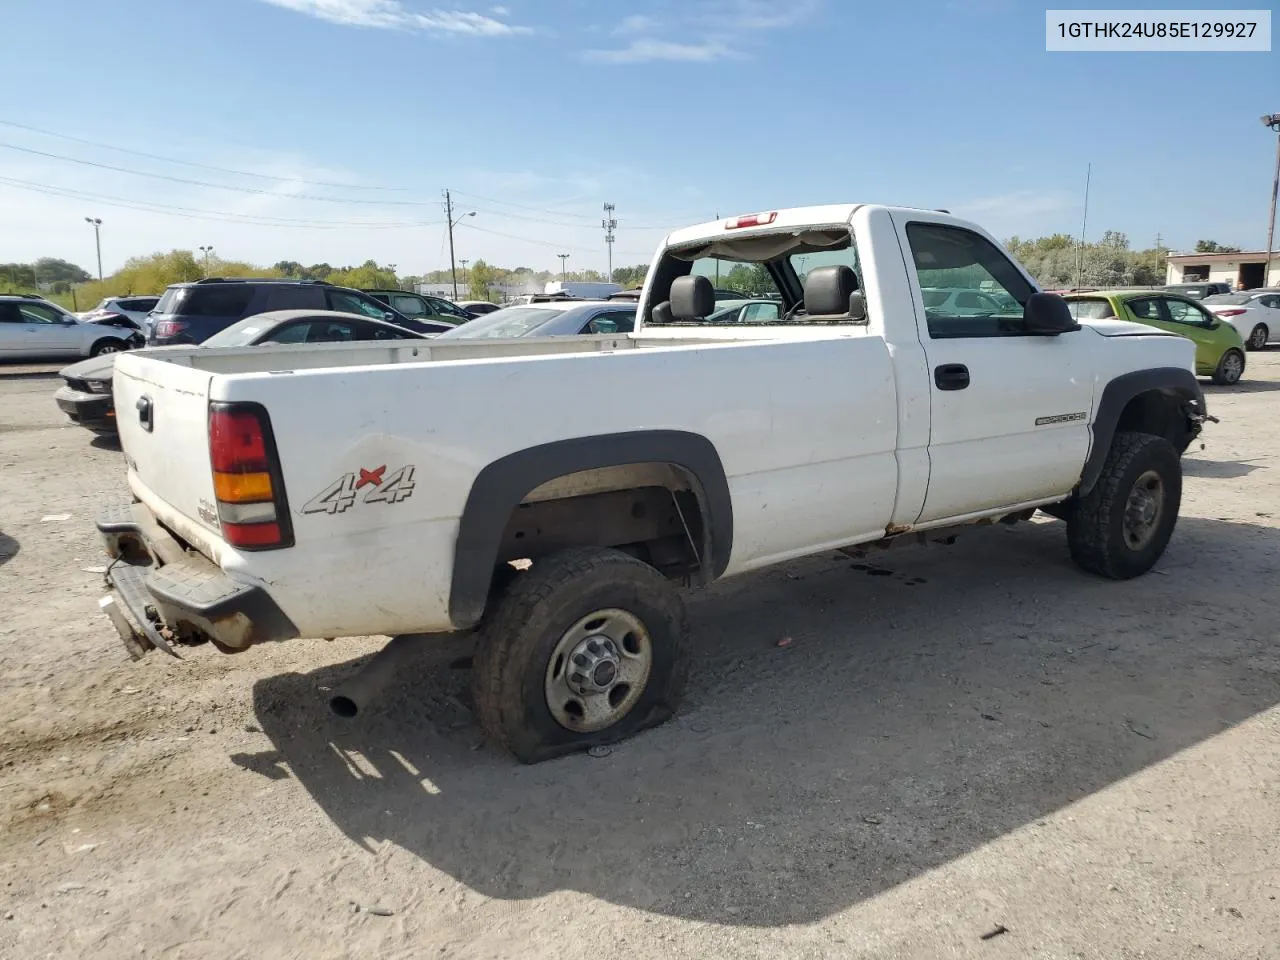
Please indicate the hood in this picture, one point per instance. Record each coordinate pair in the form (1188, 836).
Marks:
(95, 368)
(1124, 328)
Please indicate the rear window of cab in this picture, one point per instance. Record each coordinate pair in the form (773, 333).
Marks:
(1092, 308)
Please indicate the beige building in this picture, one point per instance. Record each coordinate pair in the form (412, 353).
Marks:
(1244, 271)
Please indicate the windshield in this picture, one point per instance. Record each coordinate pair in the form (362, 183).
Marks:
(1229, 298)
(1091, 309)
(510, 322)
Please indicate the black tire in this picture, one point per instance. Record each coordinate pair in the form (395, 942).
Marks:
(108, 345)
(528, 619)
(1097, 534)
(1229, 372)
(1258, 337)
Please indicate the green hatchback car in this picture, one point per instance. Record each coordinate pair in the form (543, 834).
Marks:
(1219, 349)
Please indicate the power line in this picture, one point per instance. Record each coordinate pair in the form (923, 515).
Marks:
(191, 163)
(215, 186)
(548, 243)
(195, 213)
(659, 223)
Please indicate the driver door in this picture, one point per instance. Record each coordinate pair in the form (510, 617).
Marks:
(1009, 410)
(49, 332)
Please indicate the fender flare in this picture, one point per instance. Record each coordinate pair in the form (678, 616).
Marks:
(500, 487)
(1171, 381)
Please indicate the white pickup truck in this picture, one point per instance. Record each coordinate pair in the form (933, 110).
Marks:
(554, 495)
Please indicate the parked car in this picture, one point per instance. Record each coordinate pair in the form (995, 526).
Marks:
(1219, 348)
(135, 308)
(1254, 313)
(192, 312)
(420, 307)
(746, 311)
(963, 302)
(552, 319)
(334, 503)
(34, 327)
(86, 395)
(478, 308)
(1197, 291)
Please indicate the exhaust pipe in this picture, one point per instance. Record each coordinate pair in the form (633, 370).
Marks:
(357, 693)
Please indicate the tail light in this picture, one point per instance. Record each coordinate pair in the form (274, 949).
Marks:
(752, 220)
(1228, 313)
(252, 509)
(170, 328)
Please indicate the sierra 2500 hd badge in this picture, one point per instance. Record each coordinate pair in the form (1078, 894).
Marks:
(341, 495)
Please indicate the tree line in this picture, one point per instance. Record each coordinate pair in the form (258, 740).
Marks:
(1055, 261)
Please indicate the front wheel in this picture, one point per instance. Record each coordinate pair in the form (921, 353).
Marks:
(1258, 337)
(1230, 368)
(585, 648)
(1122, 526)
(106, 346)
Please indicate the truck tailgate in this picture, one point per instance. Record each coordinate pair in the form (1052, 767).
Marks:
(163, 419)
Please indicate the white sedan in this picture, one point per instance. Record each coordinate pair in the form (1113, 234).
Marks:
(31, 327)
(1254, 313)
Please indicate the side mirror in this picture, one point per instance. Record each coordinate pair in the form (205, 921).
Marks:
(1048, 315)
(69, 321)
(389, 316)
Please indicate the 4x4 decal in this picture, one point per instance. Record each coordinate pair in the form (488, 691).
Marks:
(341, 495)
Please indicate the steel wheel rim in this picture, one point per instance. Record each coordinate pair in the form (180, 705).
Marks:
(108, 348)
(1259, 338)
(598, 670)
(1232, 367)
(1143, 510)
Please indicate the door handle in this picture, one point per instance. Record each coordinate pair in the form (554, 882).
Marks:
(951, 376)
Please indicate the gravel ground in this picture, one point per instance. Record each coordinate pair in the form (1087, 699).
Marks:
(957, 742)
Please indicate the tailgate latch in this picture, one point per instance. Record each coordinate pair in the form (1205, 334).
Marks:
(145, 416)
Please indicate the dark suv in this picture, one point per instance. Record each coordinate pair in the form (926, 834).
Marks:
(193, 312)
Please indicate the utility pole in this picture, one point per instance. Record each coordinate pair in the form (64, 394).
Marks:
(464, 269)
(97, 239)
(563, 257)
(1272, 121)
(448, 215)
(717, 258)
(609, 224)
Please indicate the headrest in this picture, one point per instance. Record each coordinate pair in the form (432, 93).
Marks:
(827, 290)
(661, 313)
(692, 298)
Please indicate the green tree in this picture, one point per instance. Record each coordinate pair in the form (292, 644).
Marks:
(1213, 246)
(368, 276)
(482, 276)
(631, 276)
(54, 270)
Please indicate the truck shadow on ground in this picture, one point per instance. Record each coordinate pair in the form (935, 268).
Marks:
(1219, 469)
(9, 548)
(909, 718)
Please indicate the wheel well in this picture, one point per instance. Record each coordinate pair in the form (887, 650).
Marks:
(654, 511)
(1157, 412)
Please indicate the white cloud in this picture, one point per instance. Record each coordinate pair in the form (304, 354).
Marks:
(636, 23)
(392, 15)
(645, 51)
(762, 14)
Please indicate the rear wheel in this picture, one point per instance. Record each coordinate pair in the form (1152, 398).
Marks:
(585, 648)
(1230, 368)
(1258, 337)
(1122, 526)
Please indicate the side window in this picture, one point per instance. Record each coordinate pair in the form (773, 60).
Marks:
(447, 308)
(384, 333)
(291, 296)
(952, 258)
(350, 303)
(217, 301)
(1180, 311)
(39, 313)
(1272, 301)
(9, 313)
(1148, 308)
(334, 331)
(615, 321)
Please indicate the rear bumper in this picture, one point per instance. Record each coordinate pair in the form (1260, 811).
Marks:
(176, 596)
(95, 411)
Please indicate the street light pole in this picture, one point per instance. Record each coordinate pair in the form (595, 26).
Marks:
(1272, 121)
(207, 252)
(563, 257)
(448, 215)
(97, 240)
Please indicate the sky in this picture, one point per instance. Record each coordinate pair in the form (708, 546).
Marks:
(328, 130)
